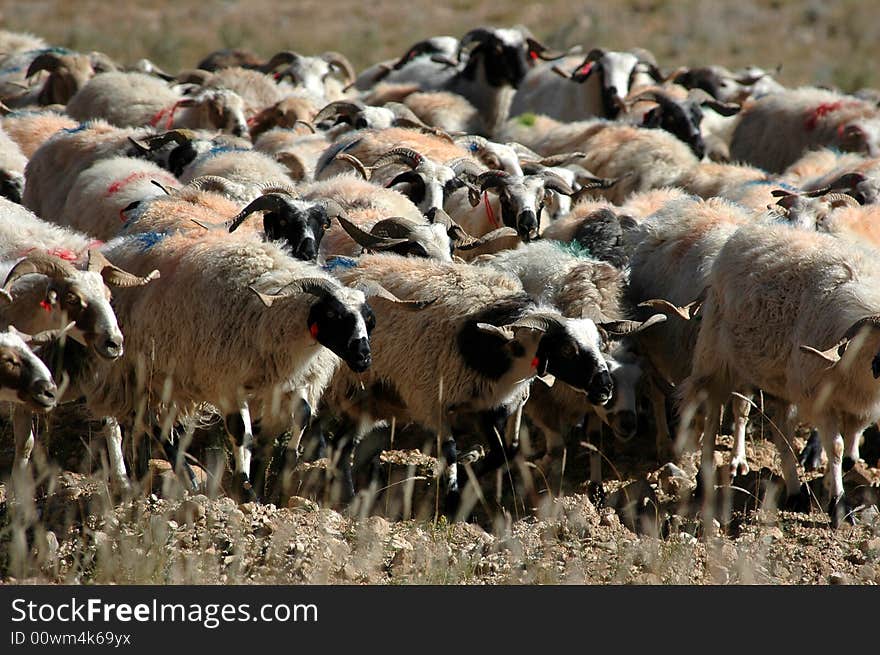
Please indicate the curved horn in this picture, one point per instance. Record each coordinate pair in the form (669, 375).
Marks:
(538, 50)
(340, 62)
(492, 179)
(345, 108)
(213, 183)
(623, 328)
(47, 61)
(406, 156)
(840, 199)
(156, 141)
(296, 169)
(836, 352)
(368, 239)
(115, 276)
(724, 108)
(500, 233)
(42, 263)
(372, 289)
(538, 321)
(316, 286)
(555, 182)
(356, 163)
(561, 159)
(465, 167)
(285, 57)
(268, 202)
(394, 227)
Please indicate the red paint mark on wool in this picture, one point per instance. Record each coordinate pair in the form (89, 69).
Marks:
(159, 115)
(535, 362)
(63, 253)
(818, 112)
(490, 213)
(45, 305)
(313, 330)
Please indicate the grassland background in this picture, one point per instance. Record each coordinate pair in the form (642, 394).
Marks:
(829, 43)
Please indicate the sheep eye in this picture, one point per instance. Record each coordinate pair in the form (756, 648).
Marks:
(569, 350)
(283, 222)
(331, 314)
(72, 299)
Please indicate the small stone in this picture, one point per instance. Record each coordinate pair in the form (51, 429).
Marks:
(608, 518)
(773, 534)
(837, 578)
(172, 525)
(872, 547)
(349, 572)
(298, 502)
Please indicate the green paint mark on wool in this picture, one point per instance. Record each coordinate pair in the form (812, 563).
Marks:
(573, 248)
(528, 119)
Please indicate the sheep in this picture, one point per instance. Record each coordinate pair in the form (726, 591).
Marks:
(777, 129)
(30, 129)
(596, 87)
(286, 113)
(580, 288)
(45, 278)
(472, 352)
(674, 251)
(103, 191)
(54, 167)
(246, 170)
(445, 110)
(12, 43)
(135, 99)
(775, 295)
(12, 163)
(640, 158)
(321, 77)
(497, 61)
(292, 327)
(297, 150)
(257, 90)
(67, 73)
(725, 85)
(25, 382)
(416, 65)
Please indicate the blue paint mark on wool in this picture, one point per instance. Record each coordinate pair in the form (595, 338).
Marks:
(340, 263)
(149, 239)
(769, 182)
(74, 130)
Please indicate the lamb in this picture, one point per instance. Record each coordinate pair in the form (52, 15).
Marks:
(494, 340)
(777, 129)
(135, 99)
(596, 86)
(776, 295)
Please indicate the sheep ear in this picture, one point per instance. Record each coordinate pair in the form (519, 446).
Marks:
(548, 379)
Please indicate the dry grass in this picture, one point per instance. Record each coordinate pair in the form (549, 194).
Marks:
(815, 42)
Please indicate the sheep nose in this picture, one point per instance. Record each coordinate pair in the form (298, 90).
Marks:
(307, 250)
(698, 147)
(601, 388)
(527, 225)
(44, 392)
(111, 348)
(359, 355)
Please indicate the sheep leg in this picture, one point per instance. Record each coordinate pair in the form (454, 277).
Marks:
(175, 456)
(832, 442)
(23, 429)
(738, 462)
(852, 435)
(797, 494)
(592, 427)
(113, 435)
(811, 455)
(302, 417)
(241, 436)
(449, 451)
(707, 459)
(658, 405)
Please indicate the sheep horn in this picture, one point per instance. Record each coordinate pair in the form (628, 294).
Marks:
(45, 337)
(492, 179)
(406, 156)
(372, 289)
(47, 61)
(540, 51)
(499, 233)
(395, 227)
(466, 168)
(340, 62)
(115, 276)
(665, 306)
(456, 232)
(285, 57)
(345, 108)
(156, 141)
(368, 239)
(724, 108)
(213, 183)
(555, 182)
(623, 328)
(501, 332)
(840, 199)
(296, 169)
(356, 163)
(42, 263)
(561, 159)
(538, 321)
(317, 286)
(267, 202)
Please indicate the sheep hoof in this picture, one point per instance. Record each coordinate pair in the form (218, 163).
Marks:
(243, 489)
(811, 456)
(799, 502)
(738, 466)
(840, 512)
(596, 494)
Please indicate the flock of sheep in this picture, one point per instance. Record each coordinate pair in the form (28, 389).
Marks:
(479, 233)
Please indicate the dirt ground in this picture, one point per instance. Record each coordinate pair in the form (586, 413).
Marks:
(531, 526)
